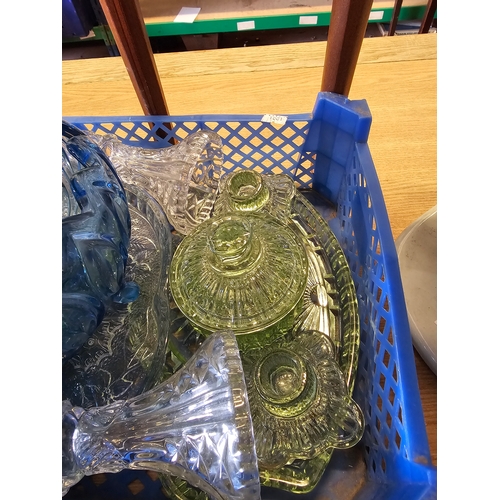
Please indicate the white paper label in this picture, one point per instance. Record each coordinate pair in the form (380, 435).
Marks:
(308, 20)
(245, 25)
(279, 119)
(376, 15)
(187, 15)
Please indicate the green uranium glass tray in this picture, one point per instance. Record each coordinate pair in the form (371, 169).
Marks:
(337, 301)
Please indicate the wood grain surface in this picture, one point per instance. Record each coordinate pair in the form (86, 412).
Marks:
(396, 75)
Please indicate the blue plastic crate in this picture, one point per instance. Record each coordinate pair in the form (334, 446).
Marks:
(328, 152)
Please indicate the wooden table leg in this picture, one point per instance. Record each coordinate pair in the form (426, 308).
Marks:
(348, 23)
(127, 25)
(428, 16)
(395, 17)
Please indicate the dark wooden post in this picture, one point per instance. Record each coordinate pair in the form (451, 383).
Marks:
(395, 17)
(127, 25)
(430, 11)
(348, 23)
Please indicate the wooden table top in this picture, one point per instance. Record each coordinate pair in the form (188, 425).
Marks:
(396, 75)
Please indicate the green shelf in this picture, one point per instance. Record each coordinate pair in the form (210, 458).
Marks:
(272, 22)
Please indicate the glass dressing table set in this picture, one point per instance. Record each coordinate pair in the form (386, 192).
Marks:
(210, 322)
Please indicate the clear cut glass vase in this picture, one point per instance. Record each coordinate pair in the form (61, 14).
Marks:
(184, 178)
(196, 425)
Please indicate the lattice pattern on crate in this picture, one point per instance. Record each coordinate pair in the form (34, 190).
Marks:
(305, 170)
(248, 144)
(378, 385)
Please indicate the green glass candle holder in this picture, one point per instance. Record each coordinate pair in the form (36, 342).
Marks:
(276, 195)
(249, 191)
(299, 400)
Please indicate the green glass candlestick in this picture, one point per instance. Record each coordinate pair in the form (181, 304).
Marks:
(299, 400)
(276, 195)
(249, 191)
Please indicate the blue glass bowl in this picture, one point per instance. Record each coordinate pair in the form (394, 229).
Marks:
(95, 238)
(125, 356)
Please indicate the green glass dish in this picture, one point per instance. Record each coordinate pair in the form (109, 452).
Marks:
(302, 476)
(320, 310)
(341, 300)
(244, 272)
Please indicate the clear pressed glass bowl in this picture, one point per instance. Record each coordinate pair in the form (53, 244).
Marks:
(126, 354)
